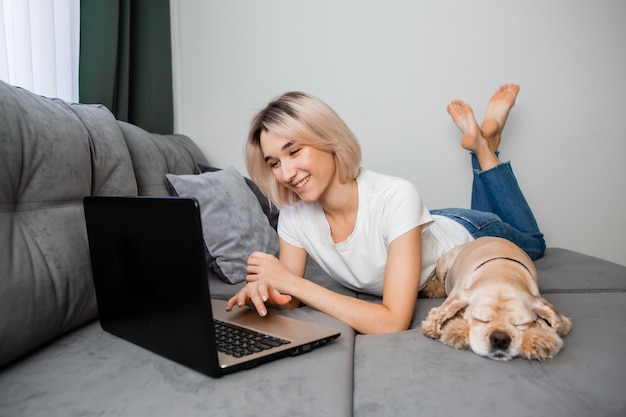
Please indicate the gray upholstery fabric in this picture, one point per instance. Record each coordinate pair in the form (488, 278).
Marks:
(91, 373)
(408, 374)
(233, 224)
(155, 155)
(269, 209)
(53, 154)
(559, 271)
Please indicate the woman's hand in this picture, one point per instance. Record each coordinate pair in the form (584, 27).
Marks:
(267, 280)
(266, 267)
(258, 293)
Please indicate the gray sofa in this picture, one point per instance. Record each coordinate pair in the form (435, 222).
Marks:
(56, 360)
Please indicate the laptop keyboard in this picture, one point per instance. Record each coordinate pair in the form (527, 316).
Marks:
(237, 341)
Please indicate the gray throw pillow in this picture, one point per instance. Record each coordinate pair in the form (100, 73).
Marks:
(269, 209)
(233, 223)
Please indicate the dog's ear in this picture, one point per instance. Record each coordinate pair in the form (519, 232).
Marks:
(549, 317)
(437, 316)
(455, 332)
(540, 343)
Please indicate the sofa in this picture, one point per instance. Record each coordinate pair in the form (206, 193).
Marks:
(56, 360)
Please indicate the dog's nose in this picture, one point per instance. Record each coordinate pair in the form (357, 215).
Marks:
(500, 340)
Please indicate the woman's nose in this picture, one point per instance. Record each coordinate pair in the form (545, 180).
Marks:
(288, 171)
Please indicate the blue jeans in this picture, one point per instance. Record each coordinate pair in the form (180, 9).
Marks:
(499, 209)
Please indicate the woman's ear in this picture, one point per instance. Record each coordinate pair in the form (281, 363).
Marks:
(549, 317)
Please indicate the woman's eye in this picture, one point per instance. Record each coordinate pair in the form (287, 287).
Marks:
(295, 151)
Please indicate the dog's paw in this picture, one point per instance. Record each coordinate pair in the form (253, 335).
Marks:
(430, 325)
(455, 333)
(565, 325)
(540, 344)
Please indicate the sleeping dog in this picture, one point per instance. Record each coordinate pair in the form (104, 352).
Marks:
(493, 307)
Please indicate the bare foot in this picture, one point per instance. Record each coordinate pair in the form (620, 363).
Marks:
(463, 117)
(497, 112)
(473, 139)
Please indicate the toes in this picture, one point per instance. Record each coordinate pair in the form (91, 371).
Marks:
(514, 88)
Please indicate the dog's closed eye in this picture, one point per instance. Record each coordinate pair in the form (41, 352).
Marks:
(523, 319)
(483, 315)
(482, 320)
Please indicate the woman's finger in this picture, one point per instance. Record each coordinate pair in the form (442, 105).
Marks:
(259, 295)
(239, 299)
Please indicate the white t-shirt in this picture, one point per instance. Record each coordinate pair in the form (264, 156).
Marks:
(388, 208)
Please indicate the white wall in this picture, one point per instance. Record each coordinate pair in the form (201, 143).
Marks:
(391, 67)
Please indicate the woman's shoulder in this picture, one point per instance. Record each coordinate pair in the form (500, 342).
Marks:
(300, 223)
(378, 182)
(300, 209)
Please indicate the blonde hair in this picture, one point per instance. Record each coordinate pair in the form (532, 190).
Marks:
(306, 120)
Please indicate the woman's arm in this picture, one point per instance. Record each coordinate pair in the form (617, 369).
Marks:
(402, 278)
(269, 277)
(294, 259)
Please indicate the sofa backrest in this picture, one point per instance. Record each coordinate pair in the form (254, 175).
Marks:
(52, 154)
(154, 155)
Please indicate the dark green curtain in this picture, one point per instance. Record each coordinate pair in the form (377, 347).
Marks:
(126, 60)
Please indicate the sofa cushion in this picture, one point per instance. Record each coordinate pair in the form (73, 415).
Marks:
(402, 373)
(408, 373)
(53, 154)
(232, 221)
(563, 270)
(91, 373)
(155, 155)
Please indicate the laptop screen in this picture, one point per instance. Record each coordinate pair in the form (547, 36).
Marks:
(150, 275)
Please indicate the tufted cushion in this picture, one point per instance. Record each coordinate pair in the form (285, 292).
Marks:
(155, 155)
(52, 154)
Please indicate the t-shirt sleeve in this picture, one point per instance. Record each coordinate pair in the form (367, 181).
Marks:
(403, 210)
(286, 226)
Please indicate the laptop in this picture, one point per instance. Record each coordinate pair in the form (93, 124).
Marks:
(152, 289)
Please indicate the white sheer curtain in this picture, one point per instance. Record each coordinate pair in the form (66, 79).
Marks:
(39, 43)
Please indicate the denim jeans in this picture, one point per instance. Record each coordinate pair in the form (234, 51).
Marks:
(499, 209)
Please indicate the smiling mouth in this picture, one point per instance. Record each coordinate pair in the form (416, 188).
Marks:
(301, 183)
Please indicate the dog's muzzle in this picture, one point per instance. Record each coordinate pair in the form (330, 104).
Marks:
(499, 342)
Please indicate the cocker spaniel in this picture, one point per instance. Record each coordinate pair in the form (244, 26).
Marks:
(493, 305)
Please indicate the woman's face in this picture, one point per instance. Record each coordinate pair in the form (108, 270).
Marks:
(306, 171)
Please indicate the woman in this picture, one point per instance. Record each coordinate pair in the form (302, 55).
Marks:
(370, 232)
